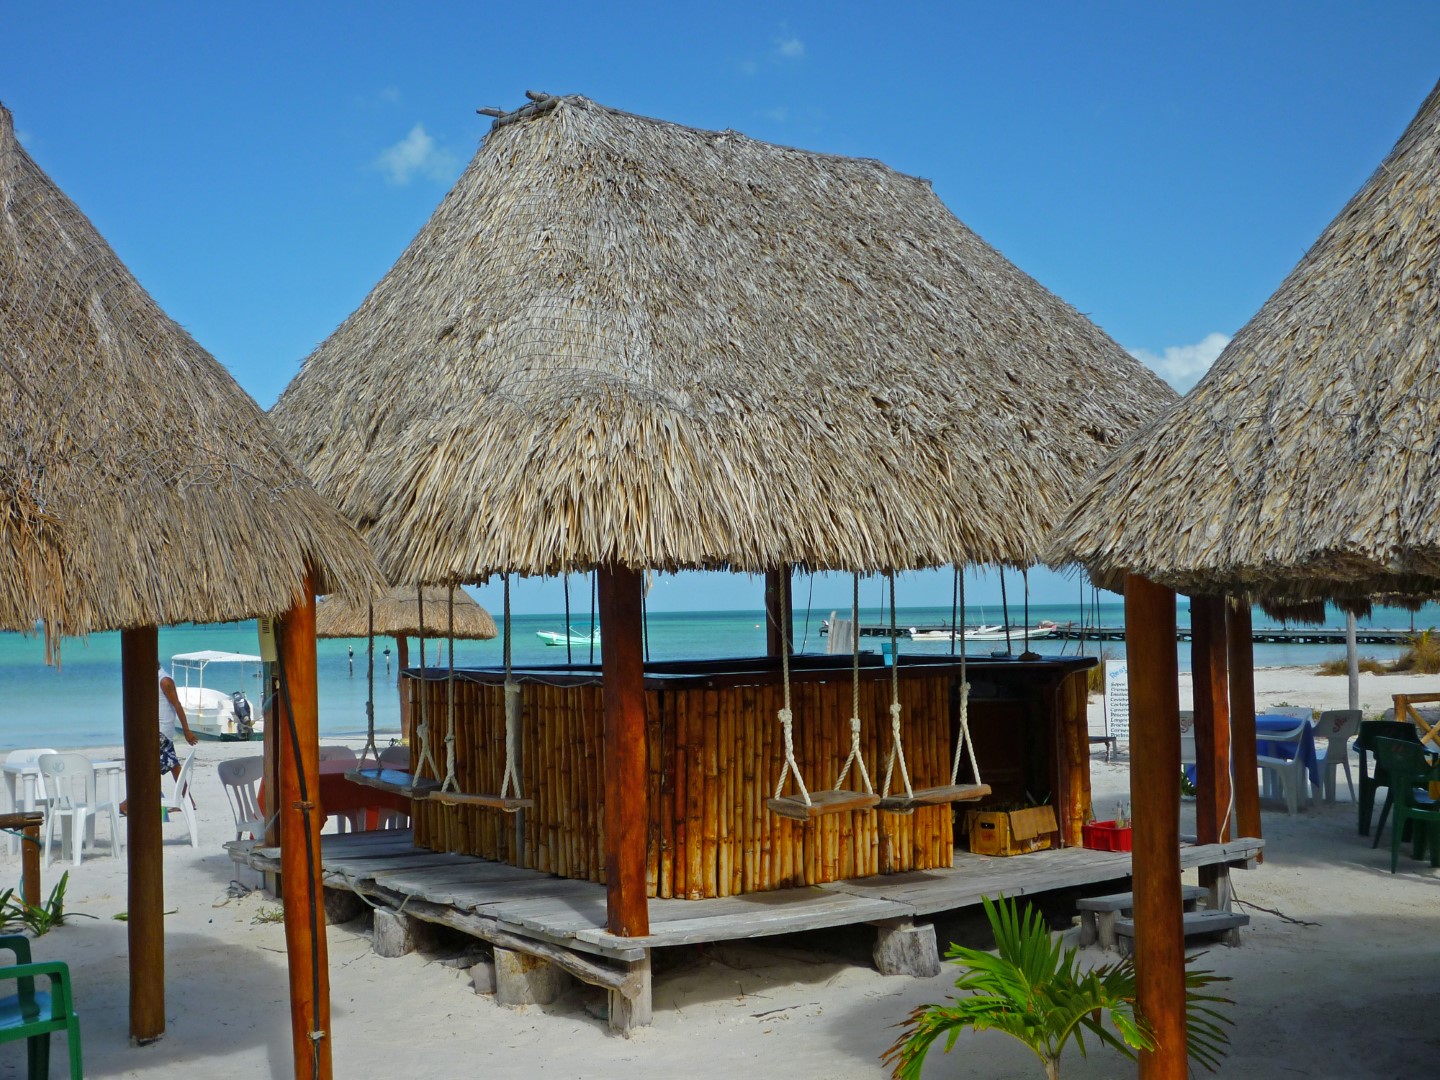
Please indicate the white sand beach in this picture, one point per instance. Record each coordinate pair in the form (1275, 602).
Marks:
(1335, 977)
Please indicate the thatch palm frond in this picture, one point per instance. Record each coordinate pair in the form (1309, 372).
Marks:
(170, 497)
(1304, 465)
(624, 340)
(397, 613)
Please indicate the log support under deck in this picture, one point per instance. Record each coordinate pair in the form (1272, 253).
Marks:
(626, 750)
(1155, 808)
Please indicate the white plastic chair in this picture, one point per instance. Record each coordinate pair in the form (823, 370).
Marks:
(1187, 737)
(1289, 773)
(69, 781)
(1337, 727)
(26, 789)
(241, 779)
(175, 796)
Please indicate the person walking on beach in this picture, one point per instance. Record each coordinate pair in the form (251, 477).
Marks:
(170, 711)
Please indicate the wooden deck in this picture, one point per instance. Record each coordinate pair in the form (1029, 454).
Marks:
(504, 903)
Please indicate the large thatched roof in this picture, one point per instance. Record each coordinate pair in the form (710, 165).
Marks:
(397, 614)
(623, 339)
(1306, 463)
(138, 483)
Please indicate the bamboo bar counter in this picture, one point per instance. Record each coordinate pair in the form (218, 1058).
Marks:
(715, 753)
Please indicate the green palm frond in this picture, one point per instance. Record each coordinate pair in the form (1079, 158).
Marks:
(1033, 989)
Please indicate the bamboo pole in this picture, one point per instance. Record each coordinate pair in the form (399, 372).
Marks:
(625, 795)
(145, 926)
(1155, 799)
(1242, 721)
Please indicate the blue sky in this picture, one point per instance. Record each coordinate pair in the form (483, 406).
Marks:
(1160, 166)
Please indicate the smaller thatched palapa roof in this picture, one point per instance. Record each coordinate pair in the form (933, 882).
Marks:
(1306, 463)
(624, 341)
(397, 614)
(139, 485)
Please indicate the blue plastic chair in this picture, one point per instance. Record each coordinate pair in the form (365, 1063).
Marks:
(32, 1014)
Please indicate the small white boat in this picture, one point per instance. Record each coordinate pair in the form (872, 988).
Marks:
(227, 715)
(572, 637)
(986, 632)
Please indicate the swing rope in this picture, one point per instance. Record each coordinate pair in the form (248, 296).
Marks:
(449, 783)
(370, 747)
(855, 757)
(424, 729)
(513, 707)
(897, 747)
(963, 737)
(786, 716)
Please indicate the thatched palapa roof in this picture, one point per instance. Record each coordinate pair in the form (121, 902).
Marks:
(620, 339)
(1306, 463)
(397, 614)
(139, 485)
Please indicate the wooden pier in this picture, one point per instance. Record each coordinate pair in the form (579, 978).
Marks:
(1270, 635)
(563, 920)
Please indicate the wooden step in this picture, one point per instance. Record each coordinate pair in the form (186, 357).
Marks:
(1197, 924)
(1098, 914)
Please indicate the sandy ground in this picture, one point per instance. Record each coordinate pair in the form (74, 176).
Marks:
(1336, 977)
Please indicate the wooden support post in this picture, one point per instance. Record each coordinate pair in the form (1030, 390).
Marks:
(299, 738)
(402, 661)
(30, 864)
(626, 751)
(1155, 808)
(145, 877)
(775, 581)
(1242, 721)
(1212, 726)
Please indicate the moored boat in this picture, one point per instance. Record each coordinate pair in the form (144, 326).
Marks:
(570, 637)
(225, 715)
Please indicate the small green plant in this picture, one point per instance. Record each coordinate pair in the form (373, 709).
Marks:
(268, 915)
(1187, 786)
(1032, 988)
(39, 919)
(1421, 655)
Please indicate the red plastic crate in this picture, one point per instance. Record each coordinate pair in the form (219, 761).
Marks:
(1105, 836)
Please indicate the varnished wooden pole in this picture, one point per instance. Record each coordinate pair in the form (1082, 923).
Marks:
(1212, 720)
(626, 804)
(145, 921)
(402, 660)
(299, 739)
(775, 582)
(1155, 810)
(1239, 636)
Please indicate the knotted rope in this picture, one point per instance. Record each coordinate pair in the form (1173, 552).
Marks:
(855, 755)
(787, 717)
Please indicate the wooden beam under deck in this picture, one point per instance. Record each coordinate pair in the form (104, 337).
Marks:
(499, 899)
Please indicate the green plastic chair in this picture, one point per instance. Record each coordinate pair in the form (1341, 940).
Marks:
(1409, 773)
(1371, 730)
(32, 1014)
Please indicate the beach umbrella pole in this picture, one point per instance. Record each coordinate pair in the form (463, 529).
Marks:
(1155, 801)
(300, 820)
(1239, 639)
(626, 802)
(145, 878)
(1208, 663)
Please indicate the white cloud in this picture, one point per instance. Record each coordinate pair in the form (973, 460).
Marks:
(389, 94)
(22, 137)
(416, 154)
(791, 48)
(778, 115)
(1183, 365)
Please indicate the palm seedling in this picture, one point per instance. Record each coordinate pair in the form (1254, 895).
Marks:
(1032, 988)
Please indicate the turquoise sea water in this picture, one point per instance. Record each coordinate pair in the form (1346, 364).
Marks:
(78, 702)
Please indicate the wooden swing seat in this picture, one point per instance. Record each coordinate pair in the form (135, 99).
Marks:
(394, 780)
(822, 803)
(494, 802)
(933, 796)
